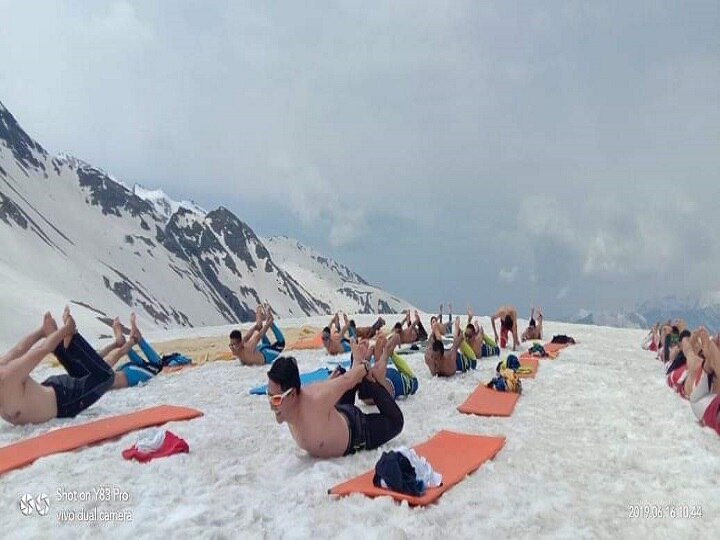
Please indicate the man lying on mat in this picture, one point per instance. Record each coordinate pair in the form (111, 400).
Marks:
(534, 329)
(414, 331)
(336, 342)
(322, 417)
(255, 348)
(363, 332)
(475, 338)
(24, 401)
(508, 323)
(136, 370)
(446, 363)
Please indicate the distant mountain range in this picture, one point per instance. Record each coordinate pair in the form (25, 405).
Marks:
(71, 232)
(695, 311)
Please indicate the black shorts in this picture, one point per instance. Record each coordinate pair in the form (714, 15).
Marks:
(88, 378)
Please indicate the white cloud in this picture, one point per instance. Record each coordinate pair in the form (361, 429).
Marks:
(508, 276)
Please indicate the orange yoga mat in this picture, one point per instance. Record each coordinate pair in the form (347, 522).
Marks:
(454, 455)
(60, 440)
(313, 342)
(488, 402)
(529, 362)
(555, 347)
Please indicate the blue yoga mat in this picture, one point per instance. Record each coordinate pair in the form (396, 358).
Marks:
(318, 375)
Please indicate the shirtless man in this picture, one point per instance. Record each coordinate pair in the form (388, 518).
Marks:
(534, 329)
(363, 332)
(508, 323)
(475, 339)
(322, 417)
(447, 327)
(255, 348)
(414, 331)
(336, 343)
(445, 363)
(24, 401)
(703, 388)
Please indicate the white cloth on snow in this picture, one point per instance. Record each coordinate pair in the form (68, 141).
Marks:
(150, 441)
(423, 470)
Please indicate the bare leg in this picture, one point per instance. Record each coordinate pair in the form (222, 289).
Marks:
(20, 368)
(25, 343)
(119, 338)
(116, 354)
(379, 370)
(135, 333)
(68, 321)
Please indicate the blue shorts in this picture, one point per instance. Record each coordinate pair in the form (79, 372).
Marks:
(345, 345)
(135, 374)
(463, 364)
(486, 350)
(402, 384)
(269, 352)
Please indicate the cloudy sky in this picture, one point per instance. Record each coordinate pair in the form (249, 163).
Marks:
(565, 154)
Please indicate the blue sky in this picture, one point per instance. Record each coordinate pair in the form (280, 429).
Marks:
(558, 153)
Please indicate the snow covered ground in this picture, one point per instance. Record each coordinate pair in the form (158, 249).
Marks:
(596, 432)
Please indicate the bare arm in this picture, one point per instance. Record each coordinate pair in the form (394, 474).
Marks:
(515, 332)
(257, 336)
(20, 369)
(22, 346)
(332, 390)
(494, 317)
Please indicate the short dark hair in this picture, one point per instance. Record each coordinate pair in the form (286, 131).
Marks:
(236, 334)
(532, 323)
(398, 326)
(284, 371)
(675, 330)
(438, 347)
(507, 322)
(352, 323)
(685, 334)
(326, 330)
(470, 327)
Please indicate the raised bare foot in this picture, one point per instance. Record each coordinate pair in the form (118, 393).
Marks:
(135, 333)
(118, 332)
(69, 328)
(49, 325)
(417, 316)
(380, 344)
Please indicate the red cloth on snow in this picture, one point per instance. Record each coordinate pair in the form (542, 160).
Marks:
(171, 445)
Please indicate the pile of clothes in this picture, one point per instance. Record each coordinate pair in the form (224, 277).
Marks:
(402, 470)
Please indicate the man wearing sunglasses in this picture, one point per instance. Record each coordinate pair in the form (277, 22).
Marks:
(322, 417)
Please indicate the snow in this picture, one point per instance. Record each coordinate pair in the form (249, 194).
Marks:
(163, 204)
(595, 432)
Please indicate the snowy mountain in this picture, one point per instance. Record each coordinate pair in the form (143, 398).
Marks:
(330, 281)
(163, 204)
(71, 232)
(603, 318)
(695, 311)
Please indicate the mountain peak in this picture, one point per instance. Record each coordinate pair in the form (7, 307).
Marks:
(164, 204)
(27, 151)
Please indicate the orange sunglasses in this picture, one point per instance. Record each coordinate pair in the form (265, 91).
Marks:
(277, 399)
